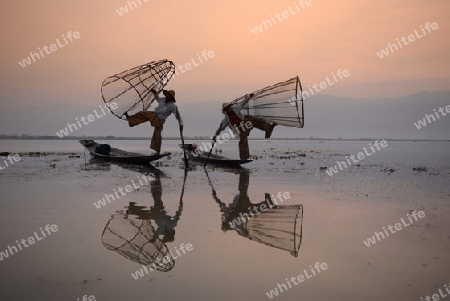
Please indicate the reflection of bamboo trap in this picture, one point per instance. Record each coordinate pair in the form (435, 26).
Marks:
(133, 239)
(279, 227)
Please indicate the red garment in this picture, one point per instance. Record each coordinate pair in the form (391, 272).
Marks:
(234, 118)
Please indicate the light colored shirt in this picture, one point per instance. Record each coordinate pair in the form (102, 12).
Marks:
(165, 108)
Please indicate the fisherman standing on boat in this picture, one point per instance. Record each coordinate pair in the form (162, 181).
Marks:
(166, 106)
(242, 125)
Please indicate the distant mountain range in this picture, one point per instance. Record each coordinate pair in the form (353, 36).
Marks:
(325, 117)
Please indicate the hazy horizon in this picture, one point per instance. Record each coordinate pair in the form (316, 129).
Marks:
(326, 116)
(392, 50)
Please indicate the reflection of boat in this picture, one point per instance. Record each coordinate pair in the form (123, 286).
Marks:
(118, 155)
(201, 156)
(278, 226)
(100, 164)
(131, 233)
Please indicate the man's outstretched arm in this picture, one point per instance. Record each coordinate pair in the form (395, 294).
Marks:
(178, 117)
(155, 94)
(245, 101)
(222, 126)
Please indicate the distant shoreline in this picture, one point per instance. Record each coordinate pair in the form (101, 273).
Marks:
(26, 137)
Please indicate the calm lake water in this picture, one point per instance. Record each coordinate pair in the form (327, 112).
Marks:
(179, 223)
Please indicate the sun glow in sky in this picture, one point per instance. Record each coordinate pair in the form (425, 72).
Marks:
(311, 41)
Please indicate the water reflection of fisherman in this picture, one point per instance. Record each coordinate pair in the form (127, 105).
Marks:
(280, 228)
(166, 224)
(241, 205)
(132, 233)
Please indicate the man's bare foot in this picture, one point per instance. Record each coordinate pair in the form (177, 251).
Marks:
(269, 132)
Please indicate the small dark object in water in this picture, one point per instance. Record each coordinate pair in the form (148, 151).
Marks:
(323, 168)
(4, 154)
(36, 154)
(420, 169)
(103, 149)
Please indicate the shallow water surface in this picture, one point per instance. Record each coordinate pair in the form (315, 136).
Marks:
(204, 235)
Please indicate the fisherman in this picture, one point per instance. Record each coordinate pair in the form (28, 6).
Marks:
(165, 223)
(166, 106)
(242, 125)
(236, 214)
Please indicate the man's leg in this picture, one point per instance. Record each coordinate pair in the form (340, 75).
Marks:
(244, 152)
(156, 139)
(157, 123)
(156, 190)
(140, 117)
(258, 123)
(261, 124)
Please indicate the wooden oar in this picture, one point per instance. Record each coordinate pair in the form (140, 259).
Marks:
(209, 154)
(186, 163)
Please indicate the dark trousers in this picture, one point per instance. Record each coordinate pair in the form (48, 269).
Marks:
(244, 131)
(155, 121)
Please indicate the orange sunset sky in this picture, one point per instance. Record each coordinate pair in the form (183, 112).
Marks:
(316, 41)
